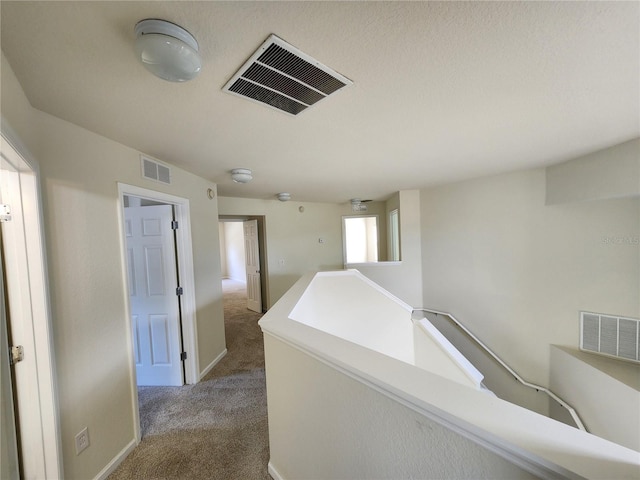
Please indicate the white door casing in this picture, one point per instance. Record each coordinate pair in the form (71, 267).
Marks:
(252, 258)
(9, 467)
(28, 304)
(155, 313)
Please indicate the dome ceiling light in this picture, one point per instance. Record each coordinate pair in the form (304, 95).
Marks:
(241, 175)
(167, 50)
(284, 196)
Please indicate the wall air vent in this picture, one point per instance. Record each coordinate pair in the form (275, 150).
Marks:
(281, 76)
(154, 170)
(610, 335)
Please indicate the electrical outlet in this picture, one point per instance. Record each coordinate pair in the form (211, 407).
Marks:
(82, 440)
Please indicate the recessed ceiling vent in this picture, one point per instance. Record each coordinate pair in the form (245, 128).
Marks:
(281, 76)
(154, 170)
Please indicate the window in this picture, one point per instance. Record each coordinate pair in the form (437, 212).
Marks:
(361, 239)
(394, 236)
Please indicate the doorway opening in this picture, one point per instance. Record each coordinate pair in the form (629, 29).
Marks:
(160, 289)
(243, 258)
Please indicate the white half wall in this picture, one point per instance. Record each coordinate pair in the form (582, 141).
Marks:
(325, 424)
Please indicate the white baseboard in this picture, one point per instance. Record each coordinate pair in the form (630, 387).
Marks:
(273, 472)
(213, 364)
(117, 460)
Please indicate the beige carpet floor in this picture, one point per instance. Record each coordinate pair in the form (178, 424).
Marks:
(216, 429)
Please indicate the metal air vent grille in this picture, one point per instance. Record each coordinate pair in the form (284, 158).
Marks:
(154, 170)
(610, 335)
(281, 76)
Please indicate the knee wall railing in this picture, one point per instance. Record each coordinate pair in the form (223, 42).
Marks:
(539, 388)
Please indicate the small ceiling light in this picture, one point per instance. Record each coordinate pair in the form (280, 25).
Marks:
(241, 175)
(358, 205)
(167, 50)
(284, 197)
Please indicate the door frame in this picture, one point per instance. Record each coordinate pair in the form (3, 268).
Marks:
(43, 431)
(262, 242)
(184, 252)
(247, 256)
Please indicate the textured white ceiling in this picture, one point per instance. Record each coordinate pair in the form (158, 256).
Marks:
(442, 90)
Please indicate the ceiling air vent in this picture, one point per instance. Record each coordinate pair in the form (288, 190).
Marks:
(610, 335)
(154, 170)
(281, 76)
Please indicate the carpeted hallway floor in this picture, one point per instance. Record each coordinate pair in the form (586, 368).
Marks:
(216, 429)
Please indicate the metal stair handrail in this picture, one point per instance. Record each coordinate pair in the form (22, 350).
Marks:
(571, 410)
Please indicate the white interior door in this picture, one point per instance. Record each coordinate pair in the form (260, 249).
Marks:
(252, 258)
(155, 310)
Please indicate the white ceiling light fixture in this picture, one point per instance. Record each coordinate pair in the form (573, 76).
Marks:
(284, 196)
(241, 175)
(357, 205)
(167, 50)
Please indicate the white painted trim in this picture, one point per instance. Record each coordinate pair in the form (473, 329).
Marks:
(213, 364)
(14, 140)
(273, 472)
(47, 438)
(117, 460)
(184, 249)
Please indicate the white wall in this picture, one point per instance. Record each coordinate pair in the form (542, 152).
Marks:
(292, 243)
(79, 175)
(608, 173)
(224, 271)
(517, 272)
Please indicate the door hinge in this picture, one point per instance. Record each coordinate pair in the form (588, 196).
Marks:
(174, 224)
(16, 354)
(183, 356)
(179, 291)
(5, 213)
